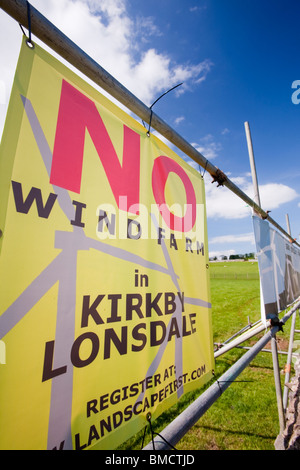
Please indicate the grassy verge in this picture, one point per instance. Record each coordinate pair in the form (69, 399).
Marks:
(245, 416)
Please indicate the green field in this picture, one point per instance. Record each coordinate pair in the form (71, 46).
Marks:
(234, 270)
(245, 416)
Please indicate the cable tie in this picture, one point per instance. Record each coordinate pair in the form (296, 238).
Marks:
(28, 41)
(151, 112)
(148, 417)
(204, 169)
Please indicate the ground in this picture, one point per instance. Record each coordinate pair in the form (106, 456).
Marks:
(290, 438)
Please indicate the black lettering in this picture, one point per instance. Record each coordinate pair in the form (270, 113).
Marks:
(78, 446)
(185, 331)
(161, 234)
(145, 278)
(114, 308)
(154, 339)
(181, 298)
(152, 304)
(134, 408)
(134, 389)
(75, 358)
(91, 406)
(173, 241)
(34, 195)
(188, 245)
(93, 434)
(120, 344)
(130, 233)
(78, 214)
(88, 310)
(115, 396)
(128, 413)
(170, 305)
(106, 425)
(117, 419)
(200, 248)
(174, 330)
(61, 446)
(103, 401)
(146, 404)
(48, 372)
(111, 225)
(130, 306)
(193, 321)
(139, 337)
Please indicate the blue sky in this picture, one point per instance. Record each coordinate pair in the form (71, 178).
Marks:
(237, 60)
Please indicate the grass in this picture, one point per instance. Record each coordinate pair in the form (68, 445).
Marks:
(245, 417)
(234, 270)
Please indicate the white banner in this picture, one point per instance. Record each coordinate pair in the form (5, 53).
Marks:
(279, 268)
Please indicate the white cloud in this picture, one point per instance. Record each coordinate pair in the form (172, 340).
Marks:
(106, 32)
(225, 131)
(222, 203)
(197, 8)
(179, 120)
(219, 254)
(145, 27)
(272, 195)
(208, 147)
(242, 238)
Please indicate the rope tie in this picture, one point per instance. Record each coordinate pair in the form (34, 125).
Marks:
(154, 434)
(204, 169)
(228, 382)
(28, 41)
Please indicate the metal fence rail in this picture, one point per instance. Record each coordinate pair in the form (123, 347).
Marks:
(183, 423)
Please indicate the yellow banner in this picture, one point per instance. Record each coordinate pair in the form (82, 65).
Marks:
(105, 315)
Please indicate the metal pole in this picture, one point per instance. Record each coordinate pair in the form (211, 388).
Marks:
(60, 43)
(288, 224)
(289, 361)
(247, 327)
(273, 341)
(283, 353)
(240, 339)
(277, 384)
(181, 425)
(252, 164)
(290, 350)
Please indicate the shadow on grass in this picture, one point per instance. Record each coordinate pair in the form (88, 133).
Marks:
(236, 433)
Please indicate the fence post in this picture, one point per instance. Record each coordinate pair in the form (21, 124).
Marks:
(252, 164)
(273, 341)
(289, 361)
(278, 384)
(290, 350)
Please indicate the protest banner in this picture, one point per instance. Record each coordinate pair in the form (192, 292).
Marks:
(105, 303)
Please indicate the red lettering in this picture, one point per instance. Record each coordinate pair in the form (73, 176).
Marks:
(162, 167)
(77, 113)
